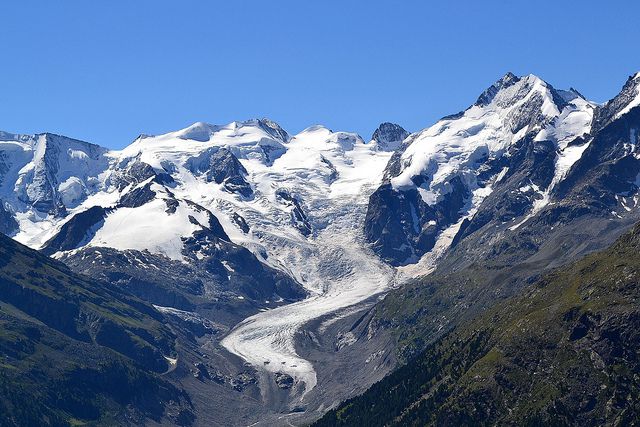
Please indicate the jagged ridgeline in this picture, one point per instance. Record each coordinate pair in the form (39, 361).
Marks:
(265, 254)
(564, 353)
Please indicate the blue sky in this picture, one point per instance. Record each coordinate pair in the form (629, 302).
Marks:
(108, 71)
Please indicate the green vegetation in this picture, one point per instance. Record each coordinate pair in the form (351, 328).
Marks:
(564, 353)
(78, 352)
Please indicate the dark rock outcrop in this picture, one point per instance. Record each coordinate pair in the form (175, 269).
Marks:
(283, 381)
(221, 166)
(8, 224)
(389, 136)
(77, 229)
(299, 218)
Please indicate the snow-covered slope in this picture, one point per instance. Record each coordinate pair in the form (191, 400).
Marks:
(443, 173)
(268, 189)
(41, 176)
(296, 202)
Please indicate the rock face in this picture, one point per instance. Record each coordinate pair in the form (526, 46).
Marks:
(389, 136)
(487, 96)
(77, 230)
(508, 159)
(284, 381)
(8, 224)
(227, 169)
(299, 218)
(222, 167)
(59, 172)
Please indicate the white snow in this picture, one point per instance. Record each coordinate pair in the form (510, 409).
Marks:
(574, 121)
(457, 146)
(72, 190)
(502, 174)
(461, 145)
(148, 227)
(331, 173)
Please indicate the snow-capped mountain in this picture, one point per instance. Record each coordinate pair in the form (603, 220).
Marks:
(263, 232)
(389, 136)
(440, 176)
(487, 201)
(46, 174)
(239, 214)
(250, 175)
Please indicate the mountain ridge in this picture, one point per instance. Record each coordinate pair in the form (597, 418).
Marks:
(280, 239)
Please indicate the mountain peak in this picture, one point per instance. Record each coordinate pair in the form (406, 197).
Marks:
(202, 132)
(621, 104)
(271, 127)
(509, 77)
(505, 81)
(577, 92)
(8, 136)
(317, 128)
(389, 136)
(199, 131)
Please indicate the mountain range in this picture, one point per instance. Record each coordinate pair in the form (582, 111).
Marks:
(252, 276)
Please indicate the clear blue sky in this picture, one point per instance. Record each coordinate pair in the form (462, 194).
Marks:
(106, 71)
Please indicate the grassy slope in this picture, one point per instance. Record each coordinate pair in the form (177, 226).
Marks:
(74, 351)
(565, 353)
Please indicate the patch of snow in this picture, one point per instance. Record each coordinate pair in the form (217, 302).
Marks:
(149, 227)
(502, 174)
(573, 122)
(72, 190)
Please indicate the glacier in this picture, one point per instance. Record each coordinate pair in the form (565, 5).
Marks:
(297, 202)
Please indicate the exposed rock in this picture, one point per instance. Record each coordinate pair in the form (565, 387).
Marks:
(8, 224)
(284, 381)
(298, 216)
(243, 380)
(76, 230)
(201, 371)
(133, 173)
(487, 96)
(137, 197)
(240, 222)
(221, 166)
(389, 136)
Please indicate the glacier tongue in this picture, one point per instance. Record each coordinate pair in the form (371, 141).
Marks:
(334, 174)
(341, 271)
